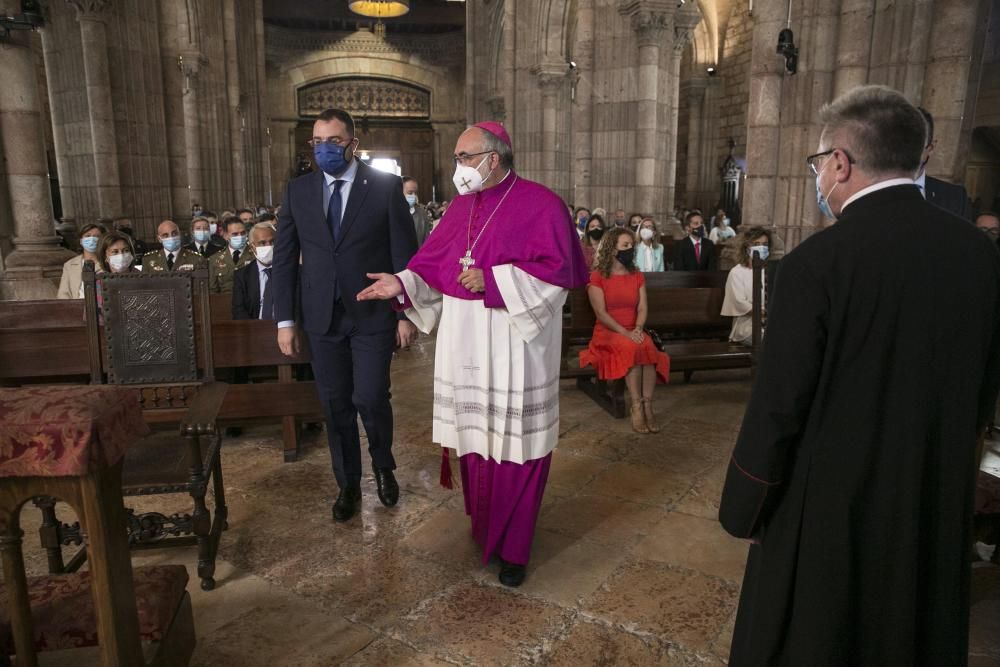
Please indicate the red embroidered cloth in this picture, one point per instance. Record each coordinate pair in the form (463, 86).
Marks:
(66, 431)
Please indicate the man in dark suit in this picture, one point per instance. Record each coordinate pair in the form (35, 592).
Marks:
(694, 252)
(854, 470)
(344, 221)
(949, 196)
(253, 296)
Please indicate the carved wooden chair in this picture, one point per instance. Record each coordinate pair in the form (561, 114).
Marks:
(142, 331)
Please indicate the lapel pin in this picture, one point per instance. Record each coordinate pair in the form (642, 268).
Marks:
(364, 182)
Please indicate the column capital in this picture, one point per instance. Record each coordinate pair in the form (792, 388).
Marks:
(650, 19)
(686, 20)
(551, 74)
(94, 10)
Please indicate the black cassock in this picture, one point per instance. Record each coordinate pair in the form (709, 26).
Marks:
(855, 465)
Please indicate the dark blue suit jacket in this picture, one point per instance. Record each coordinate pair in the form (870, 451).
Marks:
(376, 236)
(949, 196)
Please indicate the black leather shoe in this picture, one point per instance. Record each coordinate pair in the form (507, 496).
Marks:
(347, 503)
(388, 489)
(511, 574)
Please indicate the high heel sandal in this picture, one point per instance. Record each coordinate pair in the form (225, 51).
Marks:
(638, 417)
(650, 417)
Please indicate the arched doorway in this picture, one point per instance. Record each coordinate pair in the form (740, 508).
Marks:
(392, 118)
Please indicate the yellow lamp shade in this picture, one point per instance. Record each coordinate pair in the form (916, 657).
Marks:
(379, 9)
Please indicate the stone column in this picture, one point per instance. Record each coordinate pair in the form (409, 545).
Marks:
(685, 20)
(189, 64)
(552, 81)
(764, 115)
(696, 88)
(56, 110)
(581, 80)
(34, 266)
(93, 16)
(853, 54)
(951, 81)
(652, 22)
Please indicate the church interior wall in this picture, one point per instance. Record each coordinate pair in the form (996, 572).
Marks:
(146, 91)
(432, 62)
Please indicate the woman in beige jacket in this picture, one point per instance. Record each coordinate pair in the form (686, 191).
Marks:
(71, 283)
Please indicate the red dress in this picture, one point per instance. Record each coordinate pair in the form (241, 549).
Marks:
(613, 354)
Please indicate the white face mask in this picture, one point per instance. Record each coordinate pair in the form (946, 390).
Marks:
(120, 262)
(264, 254)
(646, 234)
(763, 250)
(212, 228)
(468, 179)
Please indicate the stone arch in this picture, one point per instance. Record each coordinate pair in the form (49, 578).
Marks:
(554, 21)
(340, 67)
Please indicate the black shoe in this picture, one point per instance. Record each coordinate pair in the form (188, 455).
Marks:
(511, 574)
(388, 489)
(347, 503)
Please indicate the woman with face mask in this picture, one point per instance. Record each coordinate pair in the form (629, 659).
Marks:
(71, 282)
(649, 252)
(592, 239)
(721, 230)
(619, 347)
(738, 302)
(116, 253)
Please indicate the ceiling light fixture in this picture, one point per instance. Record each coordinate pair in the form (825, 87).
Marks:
(378, 10)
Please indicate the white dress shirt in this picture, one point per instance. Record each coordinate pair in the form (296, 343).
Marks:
(262, 280)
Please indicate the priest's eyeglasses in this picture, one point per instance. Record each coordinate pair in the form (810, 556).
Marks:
(814, 160)
(464, 158)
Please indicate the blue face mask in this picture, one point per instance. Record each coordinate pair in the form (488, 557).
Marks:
(761, 250)
(411, 200)
(330, 158)
(823, 202)
(237, 242)
(202, 235)
(89, 243)
(172, 244)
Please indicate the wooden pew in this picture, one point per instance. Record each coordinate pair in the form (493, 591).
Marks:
(684, 309)
(46, 342)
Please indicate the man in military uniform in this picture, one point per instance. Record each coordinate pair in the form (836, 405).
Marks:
(236, 256)
(172, 257)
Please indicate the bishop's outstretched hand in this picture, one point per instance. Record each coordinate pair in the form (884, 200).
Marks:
(386, 286)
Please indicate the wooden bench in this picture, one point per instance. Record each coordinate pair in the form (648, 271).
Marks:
(684, 309)
(47, 342)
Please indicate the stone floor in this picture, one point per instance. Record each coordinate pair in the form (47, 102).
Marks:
(630, 566)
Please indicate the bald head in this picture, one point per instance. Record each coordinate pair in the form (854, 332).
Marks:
(167, 229)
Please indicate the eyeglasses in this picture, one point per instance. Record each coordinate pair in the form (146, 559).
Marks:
(328, 141)
(463, 158)
(812, 160)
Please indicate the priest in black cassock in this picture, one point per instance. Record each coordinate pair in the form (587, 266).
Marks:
(854, 470)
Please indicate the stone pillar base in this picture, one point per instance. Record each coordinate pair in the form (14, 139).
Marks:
(29, 283)
(38, 253)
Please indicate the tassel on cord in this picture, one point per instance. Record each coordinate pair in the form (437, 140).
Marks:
(446, 479)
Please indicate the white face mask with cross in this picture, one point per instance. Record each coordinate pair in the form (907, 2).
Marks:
(468, 179)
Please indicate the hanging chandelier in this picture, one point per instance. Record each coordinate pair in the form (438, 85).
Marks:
(378, 10)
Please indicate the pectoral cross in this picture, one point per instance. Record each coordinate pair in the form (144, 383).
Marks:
(466, 261)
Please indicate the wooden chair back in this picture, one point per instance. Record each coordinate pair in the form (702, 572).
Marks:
(142, 329)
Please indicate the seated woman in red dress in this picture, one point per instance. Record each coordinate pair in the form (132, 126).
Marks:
(619, 348)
